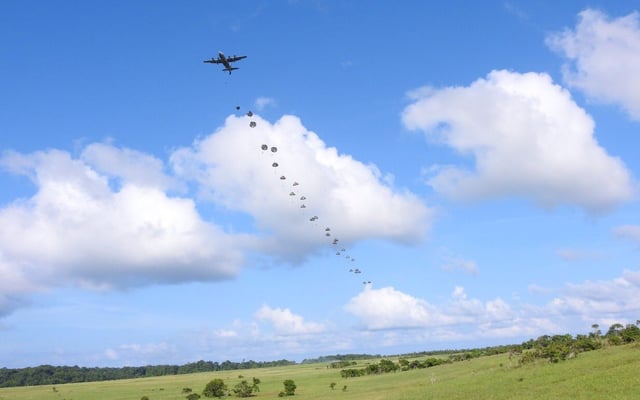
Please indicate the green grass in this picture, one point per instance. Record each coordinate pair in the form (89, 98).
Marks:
(611, 373)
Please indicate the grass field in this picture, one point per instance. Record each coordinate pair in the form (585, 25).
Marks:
(609, 373)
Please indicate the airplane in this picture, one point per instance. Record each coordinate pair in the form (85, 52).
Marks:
(226, 61)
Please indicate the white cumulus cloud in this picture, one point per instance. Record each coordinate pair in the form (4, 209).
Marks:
(388, 308)
(349, 197)
(287, 323)
(78, 229)
(603, 58)
(528, 139)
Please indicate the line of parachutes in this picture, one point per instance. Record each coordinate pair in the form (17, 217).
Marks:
(295, 192)
(339, 250)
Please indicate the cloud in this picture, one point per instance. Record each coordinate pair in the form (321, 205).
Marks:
(388, 308)
(528, 139)
(600, 300)
(576, 307)
(286, 323)
(573, 255)
(128, 354)
(14, 286)
(603, 58)
(348, 196)
(263, 102)
(77, 229)
(631, 232)
(453, 262)
(128, 165)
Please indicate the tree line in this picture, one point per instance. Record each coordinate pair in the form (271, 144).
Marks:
(562, 347)
(54, 375)
(548, 348)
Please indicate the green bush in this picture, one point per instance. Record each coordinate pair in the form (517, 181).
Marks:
(289, 387)
(215, 388)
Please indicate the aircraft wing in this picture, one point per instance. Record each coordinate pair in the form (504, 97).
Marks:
(213, 61)
(235, 58)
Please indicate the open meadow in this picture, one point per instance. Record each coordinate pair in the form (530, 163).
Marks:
(610, 373)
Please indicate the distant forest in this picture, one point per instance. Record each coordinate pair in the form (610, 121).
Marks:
(52, 375)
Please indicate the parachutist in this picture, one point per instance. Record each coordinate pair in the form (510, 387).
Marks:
(249, 114)
(252, 124)
(264, 147)
(274, 149)
(274, 165)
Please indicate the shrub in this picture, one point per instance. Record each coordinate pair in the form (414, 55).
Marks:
(289, 387)
(215, 388)
(243, 389)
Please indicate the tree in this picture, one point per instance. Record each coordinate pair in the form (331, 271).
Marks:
(631, 333)
(215, 388)
(289, 387)
(596, 330)
(243, 389)
(193, 396)
(332, 385)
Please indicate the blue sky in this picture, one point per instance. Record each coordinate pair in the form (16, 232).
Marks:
(477, 162)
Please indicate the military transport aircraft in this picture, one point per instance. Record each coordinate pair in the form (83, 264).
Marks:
(226, 61)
